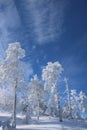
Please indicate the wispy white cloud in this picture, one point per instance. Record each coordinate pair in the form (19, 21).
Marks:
(9, 20)
(8, 14)
(47, 18)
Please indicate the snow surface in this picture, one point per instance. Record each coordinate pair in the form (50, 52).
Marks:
(46, 123)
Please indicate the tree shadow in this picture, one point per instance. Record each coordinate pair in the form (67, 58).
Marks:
(48, 124)
(75, 123)
(65, 125)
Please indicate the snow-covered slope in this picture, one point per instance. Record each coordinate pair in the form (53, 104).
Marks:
(53, 124)
(46, 123)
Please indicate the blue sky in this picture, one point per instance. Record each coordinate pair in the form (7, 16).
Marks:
(49, 30)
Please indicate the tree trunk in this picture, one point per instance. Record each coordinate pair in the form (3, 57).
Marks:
(59, 110)
(59, 107)
(38, 111)
(14, 109)
(28, 117)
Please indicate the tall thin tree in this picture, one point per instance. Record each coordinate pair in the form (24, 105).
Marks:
(11, 72)
(68, 97)
(51, 74)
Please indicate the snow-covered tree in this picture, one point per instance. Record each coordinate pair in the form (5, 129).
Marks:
(77, 104)
(82, 102)
(67, 105)
(36, 95)
(74, 104)
(50, 74)
(25, 104)
(11, 71)
(6, 99)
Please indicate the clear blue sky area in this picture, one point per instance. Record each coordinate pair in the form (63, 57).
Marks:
(49, 30)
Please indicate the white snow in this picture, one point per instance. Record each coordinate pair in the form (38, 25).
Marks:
(46, 123)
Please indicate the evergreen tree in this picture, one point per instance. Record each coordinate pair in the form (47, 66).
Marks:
(36, 95)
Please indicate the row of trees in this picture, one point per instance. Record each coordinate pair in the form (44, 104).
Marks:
(36, 97)
(75, 105)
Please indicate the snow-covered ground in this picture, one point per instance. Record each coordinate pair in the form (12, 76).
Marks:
(46, 123)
